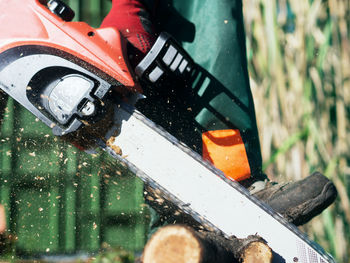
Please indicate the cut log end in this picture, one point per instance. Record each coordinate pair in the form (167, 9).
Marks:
(257, 252)
(173, 244)
(182, 244)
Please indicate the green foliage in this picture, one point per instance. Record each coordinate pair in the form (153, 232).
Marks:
(299, 64)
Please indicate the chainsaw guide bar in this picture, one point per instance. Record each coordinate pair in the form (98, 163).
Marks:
(183, 178)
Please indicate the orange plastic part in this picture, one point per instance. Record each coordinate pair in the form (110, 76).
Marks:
(28, 22)
(225, 150)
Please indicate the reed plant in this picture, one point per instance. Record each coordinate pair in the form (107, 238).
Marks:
(299, 65)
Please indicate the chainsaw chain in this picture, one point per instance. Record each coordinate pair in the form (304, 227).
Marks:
(158, 190)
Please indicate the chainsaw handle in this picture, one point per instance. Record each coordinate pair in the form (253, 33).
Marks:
(166, 61)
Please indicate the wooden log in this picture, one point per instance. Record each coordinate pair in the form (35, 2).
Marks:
(182, 244)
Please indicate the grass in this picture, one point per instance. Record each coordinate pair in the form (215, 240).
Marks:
(299, 65)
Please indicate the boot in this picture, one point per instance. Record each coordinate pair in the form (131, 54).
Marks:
(300, 201)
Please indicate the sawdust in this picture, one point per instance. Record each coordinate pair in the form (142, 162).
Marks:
(86, 136)
(115, 148)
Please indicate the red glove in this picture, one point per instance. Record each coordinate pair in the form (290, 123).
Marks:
(133, 21)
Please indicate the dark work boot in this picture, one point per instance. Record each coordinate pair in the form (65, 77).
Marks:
(300, 201)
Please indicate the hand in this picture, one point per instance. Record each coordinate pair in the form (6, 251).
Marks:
(133, 20)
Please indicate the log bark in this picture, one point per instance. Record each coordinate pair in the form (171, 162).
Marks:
(182, 244)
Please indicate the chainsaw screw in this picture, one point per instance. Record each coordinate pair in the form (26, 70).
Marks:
(88, 109)
(91, 34)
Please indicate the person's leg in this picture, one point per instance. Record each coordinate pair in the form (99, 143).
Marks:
(219, 104)
(213, 34)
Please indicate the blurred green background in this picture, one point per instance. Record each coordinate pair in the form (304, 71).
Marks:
(299, 65)
(59, 200)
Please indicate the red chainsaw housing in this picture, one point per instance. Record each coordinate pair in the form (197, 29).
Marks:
(31, 23)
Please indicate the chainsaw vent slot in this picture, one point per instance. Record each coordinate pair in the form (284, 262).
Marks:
(167, 61)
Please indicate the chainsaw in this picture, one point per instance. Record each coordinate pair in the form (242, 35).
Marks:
(74, 78)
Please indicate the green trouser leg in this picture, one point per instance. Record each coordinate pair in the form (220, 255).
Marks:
(213, 33)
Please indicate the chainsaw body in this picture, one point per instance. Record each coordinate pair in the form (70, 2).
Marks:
(61, 71)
